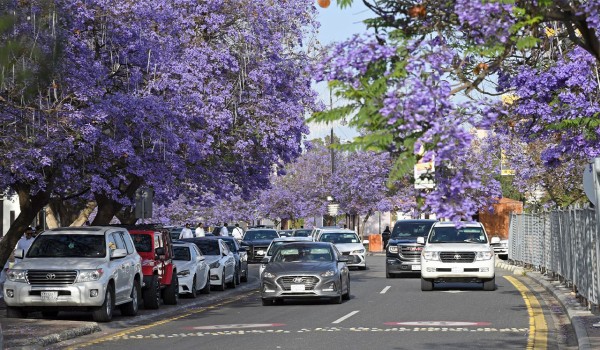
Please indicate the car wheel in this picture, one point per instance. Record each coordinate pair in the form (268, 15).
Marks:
(244, 278)
(105, 312)
(388, 275)
(346, 296)
(267, 302)
(131, 308)
(490, 284)
(171, 292)
(194, 289)
(233, 282)
(221, 287)
(15, 312)
(151, 295)
(206, 289)
(49, 314)
(426, 284)
(238, 281)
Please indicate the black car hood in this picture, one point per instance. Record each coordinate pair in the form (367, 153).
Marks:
(299, 268)
(264, 242)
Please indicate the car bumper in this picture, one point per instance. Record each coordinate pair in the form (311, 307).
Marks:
(437, 270)
(215, 276)
(361, 260)
(327, 287)
(397, 266)
(76, 295)
(186, 284)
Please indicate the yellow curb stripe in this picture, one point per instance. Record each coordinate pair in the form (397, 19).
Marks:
(538, 328)
(158, 323)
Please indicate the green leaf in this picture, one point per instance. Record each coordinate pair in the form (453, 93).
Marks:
(526, 42)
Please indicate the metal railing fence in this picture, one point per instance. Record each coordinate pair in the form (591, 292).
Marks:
(562, 242)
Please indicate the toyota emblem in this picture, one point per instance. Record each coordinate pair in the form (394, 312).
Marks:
(50, 276)
(298, 280)
(457, 257)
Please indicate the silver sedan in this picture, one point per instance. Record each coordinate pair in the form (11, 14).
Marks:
(305, 270)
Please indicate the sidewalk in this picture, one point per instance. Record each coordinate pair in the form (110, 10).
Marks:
(582, 320)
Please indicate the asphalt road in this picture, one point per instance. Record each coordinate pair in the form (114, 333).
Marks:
(381, 314)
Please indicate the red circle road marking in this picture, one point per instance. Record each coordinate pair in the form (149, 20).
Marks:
(438, 324)
(236, 326)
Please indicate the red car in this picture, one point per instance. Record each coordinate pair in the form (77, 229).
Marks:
(160, 274)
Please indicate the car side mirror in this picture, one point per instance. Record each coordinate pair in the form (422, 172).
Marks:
(19, 253)
(118, 253)
(421, 240)
(201, 257)
(495, 240)
(265, 261)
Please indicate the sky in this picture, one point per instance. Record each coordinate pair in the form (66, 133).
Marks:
(337, 25)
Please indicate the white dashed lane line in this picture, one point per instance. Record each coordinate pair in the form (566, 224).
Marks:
(385, 289)
(341, 319)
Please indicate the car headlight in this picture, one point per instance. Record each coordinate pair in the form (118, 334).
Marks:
(484, 255)
(359, 251)
(17, 275)
(89, 275)
(431, 255)
(269, 275)
(183, 273)
(393, 249)
(328, 273)
(214, 265)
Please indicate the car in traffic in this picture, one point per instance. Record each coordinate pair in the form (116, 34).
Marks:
(305, 270)
(256, 241)
(403, 253)
(500, 247)
(457, 252)
(220, 260)
(348, 243)
(90, 268)
(302, 232)
(192, 270)
(285, 233)
(240, 255)
(278, 242)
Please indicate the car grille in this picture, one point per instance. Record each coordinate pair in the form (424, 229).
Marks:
(309, 282)
(51, 277)
(410, 252)
(255, 257)
(345, 253)
(457, 257)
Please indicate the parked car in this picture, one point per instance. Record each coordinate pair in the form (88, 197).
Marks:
(303, 270)
(285, 233)
(76, 268)
(174, 232)
(256, 241)
(500, 247)
(241, 257)
(193, 271)
(457, 253)
(302, 232)
(403, 253)
(220, 260)
(348, 243)
(278, 242)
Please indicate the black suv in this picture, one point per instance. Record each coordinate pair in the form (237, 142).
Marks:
(403, 253)
(256, 241)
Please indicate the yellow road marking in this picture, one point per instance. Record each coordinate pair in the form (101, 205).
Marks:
(538, 329)
(158, 323)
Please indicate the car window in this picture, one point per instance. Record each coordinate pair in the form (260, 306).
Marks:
(411, 229)
(338, 237)
(225, 248)
(119, 241)
(231, 244)
(260, 234)
(71, 246)
(448, 234)
(112, 245)
(302, 233)
(142, 242)
(158, 242)
(128, 243)
(303, 254)
(208, 247)
(198, 252)
(182, 253)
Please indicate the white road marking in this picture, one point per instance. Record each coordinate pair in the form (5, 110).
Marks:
(385, 289)
(341, 319)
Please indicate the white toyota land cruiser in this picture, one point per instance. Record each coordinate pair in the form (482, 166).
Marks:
(457, 254)
(82, 268)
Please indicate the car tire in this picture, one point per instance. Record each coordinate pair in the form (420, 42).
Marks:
(489, 285)
(206, 289)
(15, 312)
(49, 314)
(389, 275)
(244, 278)
(346, 296)
(171, 293)
(194, 292)
(221, 287)
(233, 282)
(337, 300)
(131, 308)
(362, 267)
(105, 312)
(151, 295)
(238, 281)
(267, 302)
(426, 284)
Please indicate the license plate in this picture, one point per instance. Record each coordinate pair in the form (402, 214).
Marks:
(297, 288)
(457, 269)
(49, 295)
(415, 267)
(260, 252)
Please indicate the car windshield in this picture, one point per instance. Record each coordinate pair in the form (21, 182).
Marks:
(411, 229)
(448, 234)
(303, 254)
(338, 237)
(208, 247)
(260, 235)
(231, 245)
(182, 253)
(302, 233)
(142, 243)
(274, 246)
(68, 246)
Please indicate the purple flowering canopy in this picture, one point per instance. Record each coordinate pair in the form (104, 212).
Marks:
(428, 72)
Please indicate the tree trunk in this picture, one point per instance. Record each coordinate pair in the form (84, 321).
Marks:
(30, 205)
(364, 224)
(127, 215)
(107, 208)
(84, 214)
(51, 219)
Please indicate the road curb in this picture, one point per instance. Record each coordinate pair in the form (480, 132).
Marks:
(578, 315)
(29, 342)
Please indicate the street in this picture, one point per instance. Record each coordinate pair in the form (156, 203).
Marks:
(381, 314)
